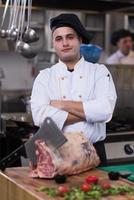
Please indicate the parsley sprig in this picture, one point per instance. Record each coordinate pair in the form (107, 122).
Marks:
(95, 193)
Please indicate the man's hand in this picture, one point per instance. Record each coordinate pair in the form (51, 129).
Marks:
(57, 104)
(64, 105)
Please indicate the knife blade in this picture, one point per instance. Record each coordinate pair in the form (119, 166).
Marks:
(49, 132)
(52, 136)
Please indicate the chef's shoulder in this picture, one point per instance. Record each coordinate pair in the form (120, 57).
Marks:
(45, 73)
(98, 69)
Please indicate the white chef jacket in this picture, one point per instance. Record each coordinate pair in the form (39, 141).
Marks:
(89, 83)
(115, 58)
(128, 60)
(119, 58)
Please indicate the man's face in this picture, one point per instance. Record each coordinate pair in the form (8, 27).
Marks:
(125, 45)
(66, 44)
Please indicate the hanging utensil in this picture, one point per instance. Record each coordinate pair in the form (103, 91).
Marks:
(25, 49)
(30, 34)
(22, 47)
(14, 32)
(16, 27)
(9, 29)
(11, 32)
(3, 33)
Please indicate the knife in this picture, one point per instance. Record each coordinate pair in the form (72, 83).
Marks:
(49, 132)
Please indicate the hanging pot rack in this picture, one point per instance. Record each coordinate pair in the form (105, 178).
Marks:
(18, 29)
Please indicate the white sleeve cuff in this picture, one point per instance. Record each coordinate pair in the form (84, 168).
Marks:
(98, 110)
(59, 116)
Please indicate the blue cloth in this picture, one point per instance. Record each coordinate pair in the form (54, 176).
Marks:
(90, 52)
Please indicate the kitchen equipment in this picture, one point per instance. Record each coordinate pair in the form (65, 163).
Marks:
(119, 142)
(16, 30)
(18, 117)
(29, 34)
(12, 31)
(49, 132)
(120, 148)
(120, 130)
(21, 46)
(25, 49)
(2, 30)
(2, 127)
(2, 33)
(21, 123)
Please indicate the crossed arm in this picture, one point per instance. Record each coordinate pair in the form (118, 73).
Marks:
(74, 108)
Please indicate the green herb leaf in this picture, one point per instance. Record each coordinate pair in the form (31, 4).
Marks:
(95, 193)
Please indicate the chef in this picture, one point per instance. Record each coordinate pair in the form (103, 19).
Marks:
(76, 94)
(122, 39)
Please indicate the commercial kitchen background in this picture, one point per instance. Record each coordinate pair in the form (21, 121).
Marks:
(100, 24)
(17, 73)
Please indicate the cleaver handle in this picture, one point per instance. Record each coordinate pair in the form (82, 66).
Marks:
(5, 162)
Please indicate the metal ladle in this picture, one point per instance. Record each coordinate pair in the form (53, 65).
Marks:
(14, 34)
(25, 49)
(3, 33)
(10, 27)
(30, 34)
(13, 29)
(22, 47)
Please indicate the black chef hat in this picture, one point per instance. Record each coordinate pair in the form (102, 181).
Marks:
(117, 35)
(71, 20)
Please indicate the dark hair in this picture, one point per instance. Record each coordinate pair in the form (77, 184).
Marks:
(117, 35)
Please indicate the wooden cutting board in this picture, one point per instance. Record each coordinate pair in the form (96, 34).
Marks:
(15, 184)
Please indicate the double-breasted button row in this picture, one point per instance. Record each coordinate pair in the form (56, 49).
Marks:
(64, 97)
(62, 78)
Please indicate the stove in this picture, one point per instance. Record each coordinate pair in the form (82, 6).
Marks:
(16, 134)
(119, 142)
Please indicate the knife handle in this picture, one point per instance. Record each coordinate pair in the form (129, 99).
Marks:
(5, 162)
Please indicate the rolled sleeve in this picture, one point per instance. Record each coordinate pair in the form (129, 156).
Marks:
(40, 113)
(101, 107)
(40, 100)
(97, 110)
(59, 116)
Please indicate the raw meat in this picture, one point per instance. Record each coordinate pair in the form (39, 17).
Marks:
(75, 156)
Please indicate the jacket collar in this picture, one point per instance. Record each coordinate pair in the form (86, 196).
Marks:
(77, 65)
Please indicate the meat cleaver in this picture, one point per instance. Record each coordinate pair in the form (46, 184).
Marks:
(49, 132)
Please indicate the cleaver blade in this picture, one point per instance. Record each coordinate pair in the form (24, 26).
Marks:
(50, 133)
